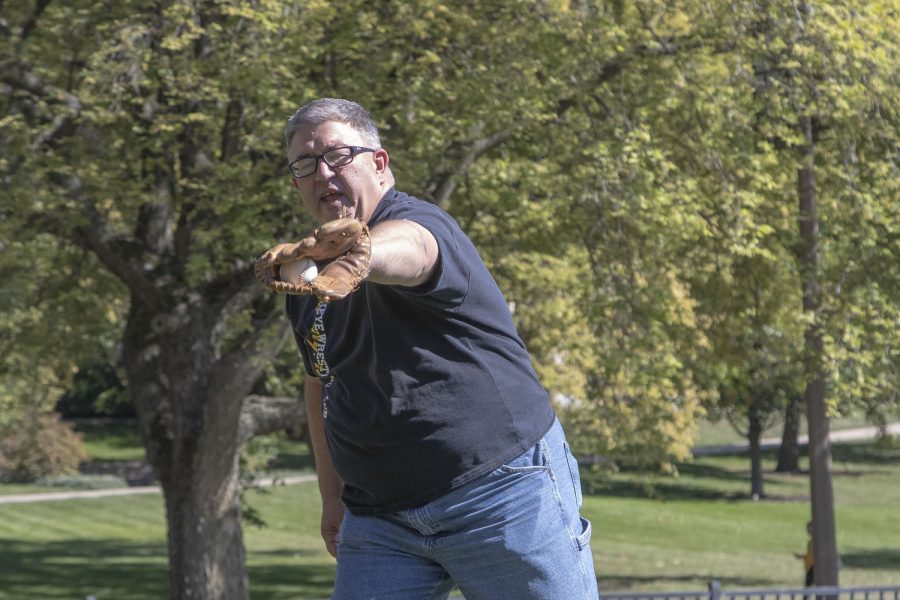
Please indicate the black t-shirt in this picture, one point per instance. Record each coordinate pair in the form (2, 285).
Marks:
(426, 388)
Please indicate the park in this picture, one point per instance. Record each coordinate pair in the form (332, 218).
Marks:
(691, 210)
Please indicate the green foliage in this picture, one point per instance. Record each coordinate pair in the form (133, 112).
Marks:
(40, 446)
(58, 309)
(628, 171)
(546, 295)
(96, 391)
(256, 457)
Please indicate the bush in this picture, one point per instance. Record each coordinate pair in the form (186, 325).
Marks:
(44, 446)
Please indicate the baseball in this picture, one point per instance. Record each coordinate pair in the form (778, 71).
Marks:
(303, 270)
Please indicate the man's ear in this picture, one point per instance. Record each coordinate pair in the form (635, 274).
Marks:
(381, 161)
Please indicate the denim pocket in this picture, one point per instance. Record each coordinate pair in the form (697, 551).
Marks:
(584, 540)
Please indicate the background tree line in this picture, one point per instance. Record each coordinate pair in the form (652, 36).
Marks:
(632, 172)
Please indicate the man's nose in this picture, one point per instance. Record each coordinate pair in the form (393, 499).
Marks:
(323, 171)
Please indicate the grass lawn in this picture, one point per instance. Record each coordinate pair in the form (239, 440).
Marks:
(679, 533)
(650, 533)
(111, 439)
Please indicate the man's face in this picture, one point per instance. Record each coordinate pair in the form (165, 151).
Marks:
(330, 193)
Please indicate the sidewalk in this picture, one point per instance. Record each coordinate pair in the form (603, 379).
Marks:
(842, 435)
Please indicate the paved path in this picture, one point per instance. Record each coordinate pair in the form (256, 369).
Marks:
(127, 491)
(842, 435)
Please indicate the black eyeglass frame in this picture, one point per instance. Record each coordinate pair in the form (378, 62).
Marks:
(354, 150)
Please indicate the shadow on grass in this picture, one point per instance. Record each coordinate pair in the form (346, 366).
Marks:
(880, 558)
(280, 582)
(299, 461)
(724, 478)
(699, 469)
(721, 484)
(657, 490)
(865, 453)
(76, 568)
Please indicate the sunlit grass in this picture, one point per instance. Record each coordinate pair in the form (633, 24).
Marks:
(672, 533)
(650, 533)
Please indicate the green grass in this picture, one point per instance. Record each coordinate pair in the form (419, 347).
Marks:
(679, 533)
(8, 489)
(650, 533)
(111, 439)
(115, 548)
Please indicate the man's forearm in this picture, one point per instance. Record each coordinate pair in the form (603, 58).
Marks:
(403, 253)
(330, 483)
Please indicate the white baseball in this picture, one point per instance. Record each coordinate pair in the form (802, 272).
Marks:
(304, 270)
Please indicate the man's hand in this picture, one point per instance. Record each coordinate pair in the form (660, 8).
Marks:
(332, 517)
(342, 250)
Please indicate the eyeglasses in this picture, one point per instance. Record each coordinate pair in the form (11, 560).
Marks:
(338, 157)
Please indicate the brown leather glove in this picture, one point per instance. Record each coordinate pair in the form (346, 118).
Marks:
(342, 250)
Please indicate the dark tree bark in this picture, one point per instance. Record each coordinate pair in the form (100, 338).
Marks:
(822, 497)
(754, 435)
(789, 450)
(191, 409)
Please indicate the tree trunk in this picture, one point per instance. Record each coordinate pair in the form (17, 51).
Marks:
(789, 451)
(205, 539)
(822, 499)
(754, 434)
(189, 421)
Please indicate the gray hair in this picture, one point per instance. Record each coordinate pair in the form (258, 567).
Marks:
(324, 110)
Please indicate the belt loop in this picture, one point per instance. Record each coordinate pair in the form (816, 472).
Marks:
(544, 449)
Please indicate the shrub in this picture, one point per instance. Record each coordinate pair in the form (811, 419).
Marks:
(43, 446)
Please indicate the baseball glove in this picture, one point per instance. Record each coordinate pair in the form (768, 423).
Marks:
(342, 250)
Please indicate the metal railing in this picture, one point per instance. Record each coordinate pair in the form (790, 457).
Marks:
(715, 592)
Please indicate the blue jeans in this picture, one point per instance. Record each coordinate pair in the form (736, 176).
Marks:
(513, 534)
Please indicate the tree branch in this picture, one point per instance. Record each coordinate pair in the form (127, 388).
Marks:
(31, 23)
(20, 78)
(240, 368)
(238, 289)
(16, 77)
(268, 414)
(441, 187)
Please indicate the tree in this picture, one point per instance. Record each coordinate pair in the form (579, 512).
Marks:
(147, 137)
(822, 71)
(116, 122)
(789, 448)
(755, 343)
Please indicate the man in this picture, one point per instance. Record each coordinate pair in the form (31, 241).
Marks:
(439, 458)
